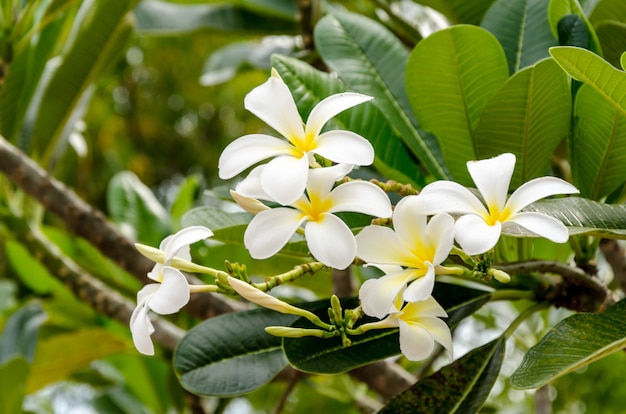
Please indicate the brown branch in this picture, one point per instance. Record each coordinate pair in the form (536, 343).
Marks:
(343, 284)
(615, 255)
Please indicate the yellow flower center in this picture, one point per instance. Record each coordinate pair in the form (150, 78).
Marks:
(314, 207)
(495, 215)
(302, 146)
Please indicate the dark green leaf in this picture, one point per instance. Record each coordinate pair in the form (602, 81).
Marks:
(558, 9)
(573, 31)
(461, 387)
(231, 354)
(13, 375)
(523, 29)
(612, 37)
(450, 77)
(309, 86)
(19, 336)
(371, 60)
(328, 356)
(573, 343)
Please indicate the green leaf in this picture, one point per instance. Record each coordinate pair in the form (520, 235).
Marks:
(460, 11)
(573, 31)
(587, 67)
(13, 375)
(331, 357)
(598, 145)
(583, 216)
(309, 86)
(19, 336)
(371, 60)
(612, 36)
(161, 17)
(573, 343)
(522, 29)
(450, 77)
(606, 10)
(130, 202)
(59, 356)
(461, 387)
(185, 198)
(231, 354)
(529, 116)
(99, 34)
(558, 9)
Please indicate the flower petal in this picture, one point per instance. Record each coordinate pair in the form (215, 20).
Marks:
(345, 147)
(537, 189)
(272, 102)
(378, 295)
(492, 177)
(331, 241)
(416, 343)
(439, 331)
(183, 238)
(409, 219)
(250, 205)
(440, 236)
(381, 245)
(141, 328)
(321, 180)
(284, 178)
(474, 235)
(450, 197)
(248, 150)
(361, 197)
(542, 225)
(270, 230)
(427, 307)
(422, 287)
(173, 293)
(331, 106)
(251, 187)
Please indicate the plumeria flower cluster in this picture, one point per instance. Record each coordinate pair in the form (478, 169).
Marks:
(293, 193)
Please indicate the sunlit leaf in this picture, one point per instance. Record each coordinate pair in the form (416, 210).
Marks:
(529, 116)
(461, 387)
(573, 343)
(522, 29)
(450, 77)
(371, 60)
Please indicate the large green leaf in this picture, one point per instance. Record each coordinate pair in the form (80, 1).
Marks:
(450, 77)
(460, 11)
(231, 354)
(523, 30)
(561, 8)
(98, 36)
(587, 67)
(612, 36)
(461, 387)
(371, 60)
(529, 116)
(13, 375)
(309, 86)
(609, 10)
(598, 145)
(331, 357)
(161, 17)
(573, 343)
(583, 216)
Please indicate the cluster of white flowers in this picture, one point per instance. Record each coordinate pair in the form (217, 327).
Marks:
(425, 226)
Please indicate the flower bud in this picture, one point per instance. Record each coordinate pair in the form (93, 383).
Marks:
(287, 332)
(250, 205)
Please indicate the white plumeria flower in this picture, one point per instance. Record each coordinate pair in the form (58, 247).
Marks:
(329, 239)
(420, 327)
(411, 253)
(479, 229)
(285, 177)
(171, 292)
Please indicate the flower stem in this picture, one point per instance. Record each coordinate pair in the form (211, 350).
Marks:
(290, 276)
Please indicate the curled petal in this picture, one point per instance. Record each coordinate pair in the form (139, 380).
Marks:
(381, 245)
(173, 293)
(251, 185)
(250, 205)
(321, 180)
(537, 189)
(451, 197)
(284, 178)
(272, 102)
(492, 177)
(270, 230)
(331, 241)
(141, 328)
(474, 235)
(183, 238)
(416, 342)
(379, 295)
(248, 150)
(422, 287)
(331, 106)
(440, 236)
(345, 147)
(542, 225)
(439, 331)
(361, 197)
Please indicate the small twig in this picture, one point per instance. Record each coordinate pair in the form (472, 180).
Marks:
(615, 255)
(543, 405)
(294, 377)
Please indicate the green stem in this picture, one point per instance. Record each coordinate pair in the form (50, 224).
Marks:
(525, 315)
(290, 276)
(512, 294)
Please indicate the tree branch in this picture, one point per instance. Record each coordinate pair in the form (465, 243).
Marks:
(615, 255)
